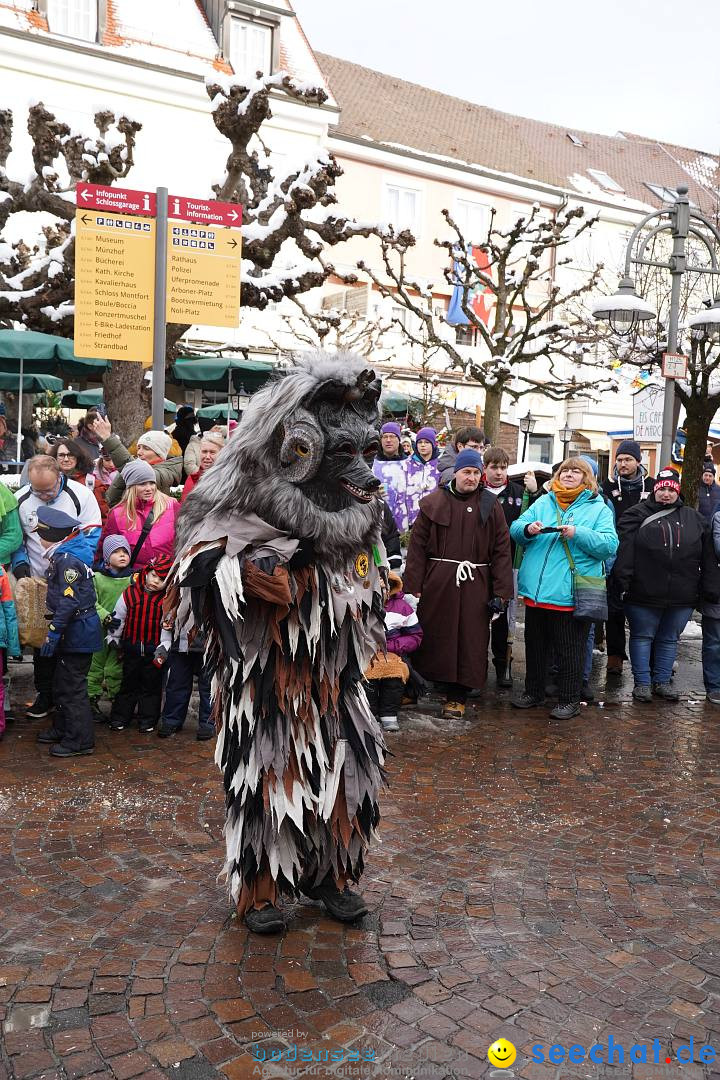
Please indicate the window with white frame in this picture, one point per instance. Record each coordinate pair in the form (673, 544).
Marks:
(472, 219)
(250, 48)
(402, 207)
(73, 18)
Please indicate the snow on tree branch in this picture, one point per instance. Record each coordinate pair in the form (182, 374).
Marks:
(523, 315)
(288, 221)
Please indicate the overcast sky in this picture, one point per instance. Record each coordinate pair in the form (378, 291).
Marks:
(646, 66)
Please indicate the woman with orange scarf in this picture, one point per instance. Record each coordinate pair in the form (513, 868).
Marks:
(571, 516)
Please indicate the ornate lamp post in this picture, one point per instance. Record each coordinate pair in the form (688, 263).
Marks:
(625, 310)
(566, 434)
(527, 426)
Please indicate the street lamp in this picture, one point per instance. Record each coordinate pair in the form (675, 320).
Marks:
(527, 426)
(566, 434)
(625, 310)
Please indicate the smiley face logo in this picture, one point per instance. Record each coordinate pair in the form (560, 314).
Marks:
(502, 1053)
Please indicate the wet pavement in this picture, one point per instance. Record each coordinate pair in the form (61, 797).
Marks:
(538, 881)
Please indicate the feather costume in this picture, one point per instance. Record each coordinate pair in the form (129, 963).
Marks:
(280, 561)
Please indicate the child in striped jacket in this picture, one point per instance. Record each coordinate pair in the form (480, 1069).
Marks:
(136, 627)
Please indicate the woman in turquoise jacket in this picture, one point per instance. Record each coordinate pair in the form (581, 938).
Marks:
(577, 514)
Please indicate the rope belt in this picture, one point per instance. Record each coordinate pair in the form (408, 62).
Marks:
(464, 570)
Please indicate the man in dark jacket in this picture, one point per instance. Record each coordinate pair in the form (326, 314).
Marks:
(708, 492)
(628, 486)
(666, 565)
(74, 632)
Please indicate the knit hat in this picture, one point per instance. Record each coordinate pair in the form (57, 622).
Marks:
(668, 478)
(592, 463)
(468, 459)
(709, 467)
(184, 411)
(428, 433)
(216, 437)
(54, 525)
(161, 564)
(113, 543)
(391, 429)
(157, 441)
(138, 472)
(629, 446)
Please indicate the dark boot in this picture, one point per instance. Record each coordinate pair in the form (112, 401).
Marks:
(346, 906)
(503, 670)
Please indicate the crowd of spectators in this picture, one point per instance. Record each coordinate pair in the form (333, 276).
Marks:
(95, 520)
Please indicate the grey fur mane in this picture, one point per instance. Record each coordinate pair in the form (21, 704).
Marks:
(247, 477)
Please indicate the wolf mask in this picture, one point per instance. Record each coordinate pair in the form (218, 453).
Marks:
(301, 458)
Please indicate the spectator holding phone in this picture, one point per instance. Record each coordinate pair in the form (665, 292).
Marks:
(572, 514)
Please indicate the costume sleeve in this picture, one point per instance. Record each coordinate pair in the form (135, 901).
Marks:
(501, 557)
(416, 562)
(599, 540)
(272, 588)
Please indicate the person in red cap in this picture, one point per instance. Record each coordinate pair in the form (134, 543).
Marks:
(665, 566)
(135, 628)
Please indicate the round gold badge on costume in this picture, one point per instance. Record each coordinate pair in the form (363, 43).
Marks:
(362, 564)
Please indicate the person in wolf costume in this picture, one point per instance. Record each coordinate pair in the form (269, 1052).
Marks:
(279, 559)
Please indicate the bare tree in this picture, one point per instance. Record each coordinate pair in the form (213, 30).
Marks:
(525, 322)
(336, 330)
(289, 220)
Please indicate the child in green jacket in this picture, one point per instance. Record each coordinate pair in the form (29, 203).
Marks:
(111, 579)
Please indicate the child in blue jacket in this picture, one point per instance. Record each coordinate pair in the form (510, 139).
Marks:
(74, 631)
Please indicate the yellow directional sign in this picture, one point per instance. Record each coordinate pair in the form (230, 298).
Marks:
(203, 274)
(114, 286)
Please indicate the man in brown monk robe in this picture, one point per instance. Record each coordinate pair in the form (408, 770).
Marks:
(459, 564)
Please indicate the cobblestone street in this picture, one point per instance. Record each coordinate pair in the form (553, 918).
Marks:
(538, 881)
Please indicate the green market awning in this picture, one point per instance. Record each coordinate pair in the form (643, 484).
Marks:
(35, 383)
(218, 412)
(215, 372)
(85, 399)
(41, 353)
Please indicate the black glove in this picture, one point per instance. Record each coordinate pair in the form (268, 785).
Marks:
(497, 605)
(22, 570)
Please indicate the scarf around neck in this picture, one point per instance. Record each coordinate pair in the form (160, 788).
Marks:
(566, 496)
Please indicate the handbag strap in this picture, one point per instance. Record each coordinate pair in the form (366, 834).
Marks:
(147, 526)
(564, 542)
(656, 516)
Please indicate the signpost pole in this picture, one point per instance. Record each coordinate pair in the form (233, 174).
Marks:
(159, 326)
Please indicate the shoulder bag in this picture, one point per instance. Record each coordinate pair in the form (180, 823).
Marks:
(589, 592)
(147, 526)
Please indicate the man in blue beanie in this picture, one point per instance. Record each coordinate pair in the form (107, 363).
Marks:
(74, 632)
(459, 565)
(627, 486)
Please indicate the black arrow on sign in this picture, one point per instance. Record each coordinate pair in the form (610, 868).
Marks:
(85, 219)
(232, 243)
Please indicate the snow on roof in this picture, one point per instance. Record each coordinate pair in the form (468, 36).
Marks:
(177, 25)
